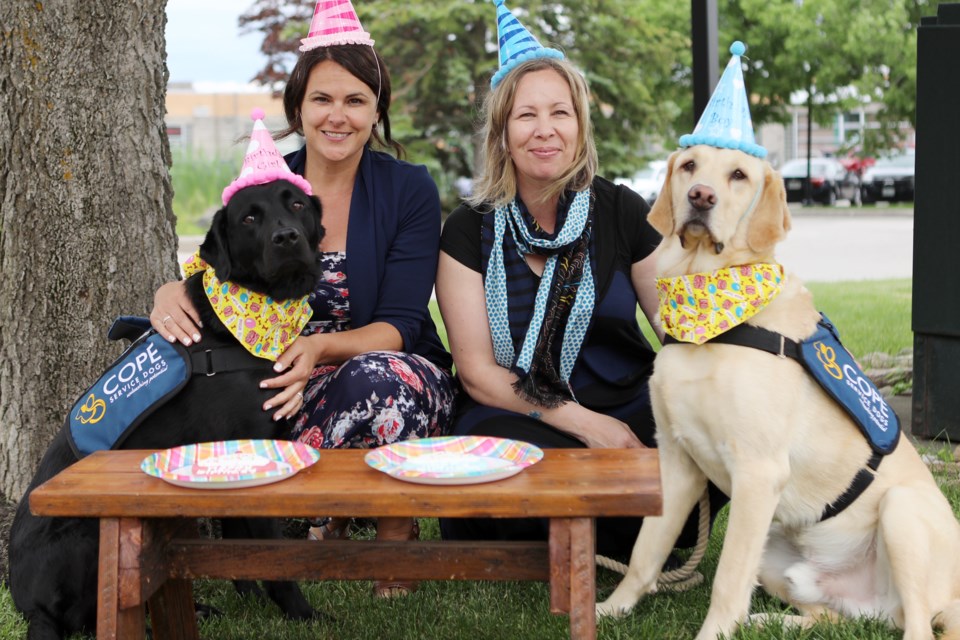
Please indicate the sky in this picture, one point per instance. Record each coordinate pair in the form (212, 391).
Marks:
(204, 42)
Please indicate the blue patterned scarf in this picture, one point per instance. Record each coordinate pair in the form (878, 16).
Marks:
(563, 305)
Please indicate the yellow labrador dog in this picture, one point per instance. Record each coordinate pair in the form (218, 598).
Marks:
(760, 428)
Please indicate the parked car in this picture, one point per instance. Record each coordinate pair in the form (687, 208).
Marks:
(889, 179)
(648, 181)
(829, 180)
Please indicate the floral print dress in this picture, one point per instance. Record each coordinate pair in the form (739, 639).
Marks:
(374, 398)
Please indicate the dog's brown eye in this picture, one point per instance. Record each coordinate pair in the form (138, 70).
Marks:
(739, 175)
(689, 166)
(249, 219)
(296, 205)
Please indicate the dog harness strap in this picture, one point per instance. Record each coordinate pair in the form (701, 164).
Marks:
(210, 362)
(861, 481)
(746, 335)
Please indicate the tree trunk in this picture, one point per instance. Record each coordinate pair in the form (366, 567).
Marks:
(85, 203)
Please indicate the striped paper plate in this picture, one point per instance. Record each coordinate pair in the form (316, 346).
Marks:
(454, 460)
(230, 464)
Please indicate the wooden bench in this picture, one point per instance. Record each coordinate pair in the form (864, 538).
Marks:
(150, 552)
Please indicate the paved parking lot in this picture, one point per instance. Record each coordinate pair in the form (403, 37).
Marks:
(865, 243)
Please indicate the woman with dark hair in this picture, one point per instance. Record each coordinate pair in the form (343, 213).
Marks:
(370, 368)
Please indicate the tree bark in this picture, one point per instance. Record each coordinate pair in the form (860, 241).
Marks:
(85, 203)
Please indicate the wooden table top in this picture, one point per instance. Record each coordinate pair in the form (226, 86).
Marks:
(566, 483)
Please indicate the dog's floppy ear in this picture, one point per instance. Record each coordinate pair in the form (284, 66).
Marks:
(661, 214)
(318, 231)
(770, 220)
(215, 250)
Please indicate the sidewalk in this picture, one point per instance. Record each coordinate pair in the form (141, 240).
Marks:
(187, 247)
(848, 244)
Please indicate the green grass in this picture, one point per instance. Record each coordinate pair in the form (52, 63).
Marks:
(198, 182)
(871, 316)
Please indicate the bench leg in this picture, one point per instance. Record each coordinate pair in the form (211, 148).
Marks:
(172, 614)
(114, 623)
(573, 574)
(583, 579)
(560, 565)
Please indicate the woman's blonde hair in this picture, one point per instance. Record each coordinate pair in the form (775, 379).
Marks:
(497, 180)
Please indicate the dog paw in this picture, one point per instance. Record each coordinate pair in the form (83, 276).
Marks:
(608, 609)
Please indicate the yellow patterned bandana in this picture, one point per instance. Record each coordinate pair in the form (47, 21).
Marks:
(264, 326)
(700, 306)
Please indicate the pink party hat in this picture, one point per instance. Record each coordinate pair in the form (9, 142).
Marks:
(334, 22)
(263, 162)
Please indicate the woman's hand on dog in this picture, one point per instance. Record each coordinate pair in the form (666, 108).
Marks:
(173, 316)
(296, 363)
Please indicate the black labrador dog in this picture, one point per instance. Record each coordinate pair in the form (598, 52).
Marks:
(266, 239)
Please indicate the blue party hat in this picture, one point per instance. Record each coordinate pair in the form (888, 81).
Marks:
(726, 122)
(516, 43)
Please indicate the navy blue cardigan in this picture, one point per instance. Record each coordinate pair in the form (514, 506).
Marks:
(393, 242)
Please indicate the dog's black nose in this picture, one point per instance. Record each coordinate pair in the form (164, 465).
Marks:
(285, 237)
(702, 197)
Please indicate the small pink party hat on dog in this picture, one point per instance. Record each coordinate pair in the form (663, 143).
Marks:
(334, 22)
(262, 162)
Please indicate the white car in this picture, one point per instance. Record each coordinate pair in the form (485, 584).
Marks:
(648, 181)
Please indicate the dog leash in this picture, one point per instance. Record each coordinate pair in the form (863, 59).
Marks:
(686, 577)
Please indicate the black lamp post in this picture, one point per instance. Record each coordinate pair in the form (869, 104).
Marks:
(703, 31)
(808, 191)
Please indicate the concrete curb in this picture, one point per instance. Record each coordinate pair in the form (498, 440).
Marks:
(848, 211)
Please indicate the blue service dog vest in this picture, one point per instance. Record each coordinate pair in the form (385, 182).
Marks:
(832, 366)
(142, 379)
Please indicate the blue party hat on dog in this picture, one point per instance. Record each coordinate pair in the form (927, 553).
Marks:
(726, 121)
(516, 43)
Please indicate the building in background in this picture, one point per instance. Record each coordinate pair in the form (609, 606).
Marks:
(786, 142)
(213, 119)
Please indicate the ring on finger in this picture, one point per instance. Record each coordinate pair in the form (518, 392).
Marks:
(165, 318)
(300, 395)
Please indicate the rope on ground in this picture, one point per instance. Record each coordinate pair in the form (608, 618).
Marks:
(685, 577)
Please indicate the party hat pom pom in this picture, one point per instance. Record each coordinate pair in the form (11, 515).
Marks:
(738, 48)
(257, 114)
